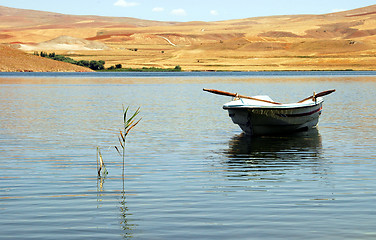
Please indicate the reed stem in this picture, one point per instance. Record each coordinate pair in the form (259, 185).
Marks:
(129, 124)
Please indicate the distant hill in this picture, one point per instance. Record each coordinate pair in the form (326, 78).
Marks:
(333, 41)
(24, 18)
(13, 60)
(64, 43)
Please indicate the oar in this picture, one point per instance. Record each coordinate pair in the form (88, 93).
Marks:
(320, 94)
(236, 95)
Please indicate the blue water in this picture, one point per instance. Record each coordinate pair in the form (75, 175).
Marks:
(189, 171)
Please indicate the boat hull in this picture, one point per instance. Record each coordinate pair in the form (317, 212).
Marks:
(274, 120)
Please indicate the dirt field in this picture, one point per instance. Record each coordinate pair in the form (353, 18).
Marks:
(337, 41)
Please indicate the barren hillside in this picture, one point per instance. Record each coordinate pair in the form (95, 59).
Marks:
(335, 41)
(12, 60)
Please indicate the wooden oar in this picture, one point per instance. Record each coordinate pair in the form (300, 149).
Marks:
(320, 94)
(237, 95)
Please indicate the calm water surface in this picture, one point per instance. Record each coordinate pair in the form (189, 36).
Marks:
(190, 173)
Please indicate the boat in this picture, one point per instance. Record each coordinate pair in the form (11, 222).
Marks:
(261, 115)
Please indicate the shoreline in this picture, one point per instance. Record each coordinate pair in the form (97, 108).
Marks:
(186, 71)
(192, 73)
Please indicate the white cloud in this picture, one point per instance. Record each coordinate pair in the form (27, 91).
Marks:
(123, 3)
(214, 12)
(179, 12)
(158, 9)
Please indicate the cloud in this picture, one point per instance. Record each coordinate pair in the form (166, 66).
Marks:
(214, 12)
(123, 3)
(179, 12)
(158, 9)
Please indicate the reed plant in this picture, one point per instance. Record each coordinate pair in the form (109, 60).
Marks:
(128, 125)
(101, 168)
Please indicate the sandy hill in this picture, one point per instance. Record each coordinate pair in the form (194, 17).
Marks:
(335, 41)
(63, 43)
(24, 18)
(13, 60)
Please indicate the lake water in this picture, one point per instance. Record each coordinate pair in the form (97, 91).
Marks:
(189, 172)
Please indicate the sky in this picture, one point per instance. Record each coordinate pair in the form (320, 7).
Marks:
(188, 10)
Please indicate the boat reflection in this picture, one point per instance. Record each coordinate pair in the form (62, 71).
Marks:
(273, 153)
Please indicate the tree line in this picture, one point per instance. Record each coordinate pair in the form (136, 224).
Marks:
(99, 65)
(93, 64)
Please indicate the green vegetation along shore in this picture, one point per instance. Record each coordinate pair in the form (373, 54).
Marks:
(99, 65)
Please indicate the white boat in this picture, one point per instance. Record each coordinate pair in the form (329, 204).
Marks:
(260, 115)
